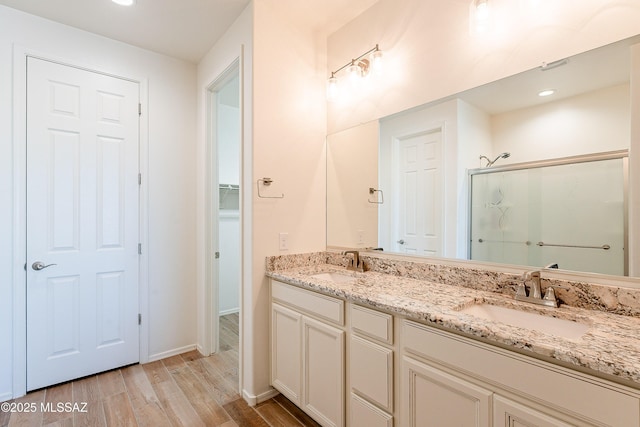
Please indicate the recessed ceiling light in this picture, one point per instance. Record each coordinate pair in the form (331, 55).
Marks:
(124, 2)
(546, 92)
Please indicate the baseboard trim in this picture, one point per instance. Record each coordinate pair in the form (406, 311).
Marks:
(262, 397)
(201, 350)
(173, 352)
(6, 396)
(230, 311)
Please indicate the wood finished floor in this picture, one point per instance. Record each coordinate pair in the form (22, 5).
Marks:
(184, 390)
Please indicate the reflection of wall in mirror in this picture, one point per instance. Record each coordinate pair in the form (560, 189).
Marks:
(352, 168)
(593, 122)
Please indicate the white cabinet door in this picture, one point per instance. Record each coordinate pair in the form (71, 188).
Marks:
(323, 366)
(286, 352)
(371, 372)
(363, 413)
(507, 413)
(433, 398)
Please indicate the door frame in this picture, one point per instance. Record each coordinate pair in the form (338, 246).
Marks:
(19, 157)
(389, 144)
(211, 286)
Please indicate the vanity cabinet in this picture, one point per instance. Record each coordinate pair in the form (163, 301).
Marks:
(308, 351)
(490, 383)
(403, 373)
(371, 367)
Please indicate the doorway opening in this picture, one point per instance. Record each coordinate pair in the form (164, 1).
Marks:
(224, 214)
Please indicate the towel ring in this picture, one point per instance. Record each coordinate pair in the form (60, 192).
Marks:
(267, 182)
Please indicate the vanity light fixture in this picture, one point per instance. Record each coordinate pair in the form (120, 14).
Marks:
(546, 92)
(124, 2)
(356, 68)
(479, 16)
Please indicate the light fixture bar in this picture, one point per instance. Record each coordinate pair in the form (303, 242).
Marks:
(355, 61)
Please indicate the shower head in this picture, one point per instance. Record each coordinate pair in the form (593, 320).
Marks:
(491, 162)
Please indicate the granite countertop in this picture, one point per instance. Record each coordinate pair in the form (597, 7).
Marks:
(611, 346)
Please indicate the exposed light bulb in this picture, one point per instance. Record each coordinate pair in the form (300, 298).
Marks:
(376, 60)
(332, 88)
(124, 2)
(479, 16)
(482, 10)
(546, 92)
(354, 71)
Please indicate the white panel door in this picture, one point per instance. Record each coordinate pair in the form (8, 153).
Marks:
(420, 205)
(82, 223)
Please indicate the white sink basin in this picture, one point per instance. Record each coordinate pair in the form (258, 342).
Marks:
(334, 277)
(532, 321)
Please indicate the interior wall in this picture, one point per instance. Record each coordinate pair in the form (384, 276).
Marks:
(289, 147)
(237, 43)
(597, 121)
(171, 178)
(474, 140)
(429, 52)
(352, 168)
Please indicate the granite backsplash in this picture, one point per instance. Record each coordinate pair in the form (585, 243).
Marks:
(591, 296)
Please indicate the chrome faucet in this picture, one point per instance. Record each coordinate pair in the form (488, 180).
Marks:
(535, 291)
(356, 263)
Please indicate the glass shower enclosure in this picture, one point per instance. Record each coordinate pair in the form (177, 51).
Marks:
(570, 211)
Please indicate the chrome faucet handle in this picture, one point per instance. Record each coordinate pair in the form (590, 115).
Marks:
(550, 294)
(355, 263)
(534, 278)
(521, 290)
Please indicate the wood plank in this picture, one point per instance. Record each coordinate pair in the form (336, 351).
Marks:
(173, 362)
(175, 404)
(67, 422)
(156, 372)
(110, 383)
(200, 397)
(59, 394)
(4, 417)
(211, 377)
(118, 411)
(243, 414)
(30, 418)
(276, 415)
(145, 403)
(192, 355)
(304, 419)
(87, 390)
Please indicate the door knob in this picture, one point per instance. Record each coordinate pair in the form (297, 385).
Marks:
(401, 241)
(39, 265)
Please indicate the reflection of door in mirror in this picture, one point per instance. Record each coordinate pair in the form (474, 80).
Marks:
(416, 227)
(421, 155)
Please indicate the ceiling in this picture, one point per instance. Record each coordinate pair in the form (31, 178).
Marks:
(592, 70)
(184, 29)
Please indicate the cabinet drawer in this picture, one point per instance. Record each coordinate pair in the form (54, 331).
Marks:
(579, 395)
(365, 414)
(322, 306)
(371, 372)
(372, 324)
